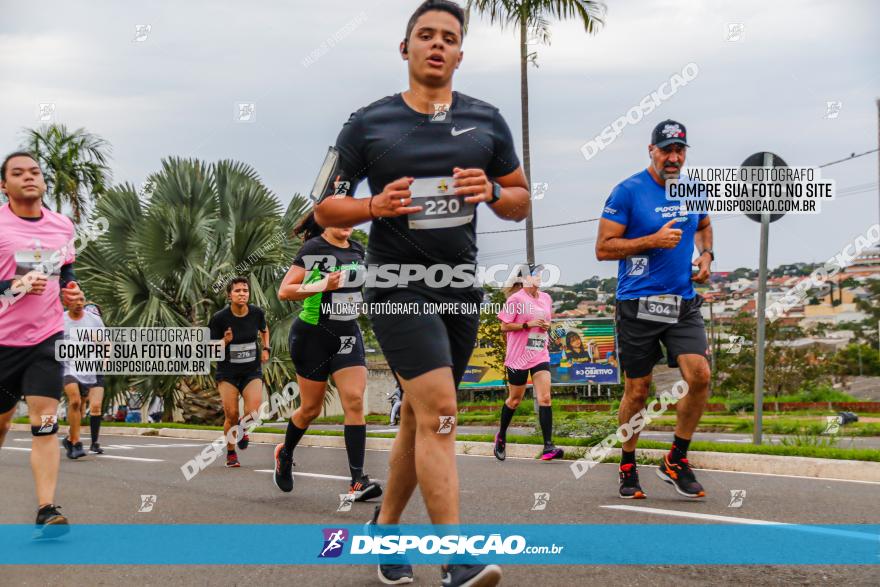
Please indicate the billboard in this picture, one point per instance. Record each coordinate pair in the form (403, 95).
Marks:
(582, 351)
(480, 372)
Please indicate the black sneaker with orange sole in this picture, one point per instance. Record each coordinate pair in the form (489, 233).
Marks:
(364, 489)
(629, 483)
(232, 460)
(680, 475)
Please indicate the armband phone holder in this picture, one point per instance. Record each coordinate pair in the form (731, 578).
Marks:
(322, 182)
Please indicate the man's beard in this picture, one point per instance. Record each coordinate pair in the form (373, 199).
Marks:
(661, 172)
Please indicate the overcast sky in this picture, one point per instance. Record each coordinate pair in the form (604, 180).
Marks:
(174, 91)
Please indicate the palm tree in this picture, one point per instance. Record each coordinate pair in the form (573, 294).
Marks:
(165, 254)
(74, 165)
(534, 15)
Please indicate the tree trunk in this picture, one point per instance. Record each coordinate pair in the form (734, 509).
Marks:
(527, 163)
(200, 405)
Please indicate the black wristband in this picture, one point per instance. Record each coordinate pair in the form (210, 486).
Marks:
(496, 192)
(66, 275)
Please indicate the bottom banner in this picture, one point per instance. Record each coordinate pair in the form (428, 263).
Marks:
(561, 544)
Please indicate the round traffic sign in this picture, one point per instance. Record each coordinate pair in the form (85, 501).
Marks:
(758, 160)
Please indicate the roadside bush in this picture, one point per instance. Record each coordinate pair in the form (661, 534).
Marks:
(740, 404)
(808, 438)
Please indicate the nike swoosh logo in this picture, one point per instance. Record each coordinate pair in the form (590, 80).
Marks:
(455, 133)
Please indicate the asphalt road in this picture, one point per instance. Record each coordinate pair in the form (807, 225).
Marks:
(108, 489)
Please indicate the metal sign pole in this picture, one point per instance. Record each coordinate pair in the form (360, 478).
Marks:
(762, 319)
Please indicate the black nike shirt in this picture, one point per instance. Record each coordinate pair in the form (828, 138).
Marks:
(388, 140)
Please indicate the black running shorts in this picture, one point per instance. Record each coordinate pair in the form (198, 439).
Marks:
(521, 376)
(318, 351)
(239, 380)
(639, 340)
(30, 370)
(417, 342)
(83, 387)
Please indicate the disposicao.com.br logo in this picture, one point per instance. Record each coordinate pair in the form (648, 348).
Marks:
(431, 544)
(334, 540)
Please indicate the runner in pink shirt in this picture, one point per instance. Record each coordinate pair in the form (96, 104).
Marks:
(525, 318)
(36, 266)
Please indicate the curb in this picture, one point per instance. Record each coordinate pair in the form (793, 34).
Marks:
(718, 461)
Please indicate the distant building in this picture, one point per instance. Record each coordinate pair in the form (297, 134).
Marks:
(867, 263)
(831, 344)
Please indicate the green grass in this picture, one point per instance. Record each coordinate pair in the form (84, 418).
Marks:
(556, 401)
(580, 445)
(852, 454)
(370, 418)
(772, 424)
(178, 425)
(818, 395)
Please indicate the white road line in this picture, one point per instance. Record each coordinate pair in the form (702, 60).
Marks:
(680, 514)
(151, 445)
(318, 475)
(135, 446)
(747, 521)
(130, 458)
(386, 450)
(99, 456)
(788, 476)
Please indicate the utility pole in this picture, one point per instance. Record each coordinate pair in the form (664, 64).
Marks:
(527, 159)
(714, 345)
(757, 433)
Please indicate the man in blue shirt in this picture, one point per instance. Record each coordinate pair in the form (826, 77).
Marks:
(653, 241)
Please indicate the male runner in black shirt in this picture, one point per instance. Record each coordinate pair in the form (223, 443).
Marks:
(240, 371)
(465, 147)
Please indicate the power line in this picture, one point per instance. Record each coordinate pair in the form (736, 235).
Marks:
(540, 227)
(544, 247)
(852, 156)
(843, 191)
